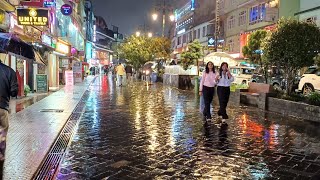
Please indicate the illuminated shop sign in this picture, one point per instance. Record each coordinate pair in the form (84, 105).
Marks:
(181, 31)
(62, 48)
(66, 9)
(192, 4)
(49, 3)
(47, 40)
(211, 42)
(31, 16)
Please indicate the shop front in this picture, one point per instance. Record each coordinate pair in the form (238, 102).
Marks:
(59, 63)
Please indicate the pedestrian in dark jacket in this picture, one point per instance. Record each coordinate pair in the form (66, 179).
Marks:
(8, 87)
(128, 69)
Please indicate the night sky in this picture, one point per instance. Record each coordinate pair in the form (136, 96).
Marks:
(128, 15)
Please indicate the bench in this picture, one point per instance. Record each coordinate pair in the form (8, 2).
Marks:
(257, 95)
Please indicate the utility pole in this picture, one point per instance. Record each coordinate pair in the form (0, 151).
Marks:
(163, 17)
(164, 8)
(217, 25)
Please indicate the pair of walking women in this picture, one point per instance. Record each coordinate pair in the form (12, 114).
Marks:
(210, 79)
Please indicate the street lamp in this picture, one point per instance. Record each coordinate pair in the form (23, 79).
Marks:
(138, 33)
(149, 34)
(164, 8)
(154, 16)
(172, 17)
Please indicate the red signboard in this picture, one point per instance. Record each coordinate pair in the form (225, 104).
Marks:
(32, 3)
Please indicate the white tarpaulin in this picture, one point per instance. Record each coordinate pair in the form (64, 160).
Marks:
(219, 57)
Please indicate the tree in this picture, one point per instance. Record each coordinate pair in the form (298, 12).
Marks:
(292, 46)
(139, 50)
(193, 53)
(254, 53)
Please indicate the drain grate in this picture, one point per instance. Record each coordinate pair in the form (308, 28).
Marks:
(49, 166)
(52, 110)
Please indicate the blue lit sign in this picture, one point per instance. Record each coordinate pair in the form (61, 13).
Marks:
(192, 4)
(211, 42)
(49, 3)
(66, 9)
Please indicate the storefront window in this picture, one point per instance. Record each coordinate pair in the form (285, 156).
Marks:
(67, 30)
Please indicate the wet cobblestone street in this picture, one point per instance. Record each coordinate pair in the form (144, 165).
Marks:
(157, 132)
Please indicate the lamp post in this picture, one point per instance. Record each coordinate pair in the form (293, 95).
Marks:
(144, 31)
(164, 8)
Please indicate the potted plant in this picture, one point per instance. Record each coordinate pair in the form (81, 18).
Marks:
(26, 90)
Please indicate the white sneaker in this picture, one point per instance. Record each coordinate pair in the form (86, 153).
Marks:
(224, 121)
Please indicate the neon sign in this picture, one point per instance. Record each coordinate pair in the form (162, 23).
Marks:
(35, 17)
(66, 9)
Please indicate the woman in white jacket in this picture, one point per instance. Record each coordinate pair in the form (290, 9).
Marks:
(224, 81)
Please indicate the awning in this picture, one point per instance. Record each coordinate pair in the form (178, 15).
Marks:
(11, 43)
(85, 64)
(38, 59)
(6, 6)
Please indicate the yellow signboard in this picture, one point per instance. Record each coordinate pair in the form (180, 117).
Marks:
(31, 16)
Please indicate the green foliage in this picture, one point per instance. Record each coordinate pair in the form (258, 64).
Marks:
(193, 53)
(234, 87)
(26, 90)
(314, 98)
(253, 50)
(291, 97)
(292, 46)
(317, 60)
(139, 50)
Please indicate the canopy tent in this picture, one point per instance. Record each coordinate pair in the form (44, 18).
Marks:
(10, 43)
(219, 57)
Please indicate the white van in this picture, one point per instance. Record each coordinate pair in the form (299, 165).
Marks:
(242, 74)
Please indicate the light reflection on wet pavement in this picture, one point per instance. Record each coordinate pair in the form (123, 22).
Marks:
(17, 105)
(156, 132)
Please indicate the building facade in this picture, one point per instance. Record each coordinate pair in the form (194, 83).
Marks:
(193, 21)
(309, 11)
(242, 17)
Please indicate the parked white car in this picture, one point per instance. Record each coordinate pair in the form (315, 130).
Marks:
(310, 81)
(242, 74)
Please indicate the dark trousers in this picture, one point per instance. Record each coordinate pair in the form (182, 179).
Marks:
(208, 93)
(223, 95)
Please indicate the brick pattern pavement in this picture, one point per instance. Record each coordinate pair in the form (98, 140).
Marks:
(156, 132)
(31, 132)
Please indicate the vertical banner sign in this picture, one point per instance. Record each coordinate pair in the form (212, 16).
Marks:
(69, 78)
(42, 83)
(77, 71)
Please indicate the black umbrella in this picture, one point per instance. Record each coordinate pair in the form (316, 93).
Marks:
(11, 43)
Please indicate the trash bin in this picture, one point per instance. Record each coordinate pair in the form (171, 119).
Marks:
(196, 84)
(154, 77)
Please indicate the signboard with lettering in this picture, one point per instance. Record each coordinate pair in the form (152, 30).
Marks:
(69, 78)
(42, 83)
(32, 17)
(49, 3)
(66, 9)
(77, 71)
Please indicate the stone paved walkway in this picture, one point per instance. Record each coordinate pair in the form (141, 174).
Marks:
(31, 132)
(156, 132)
